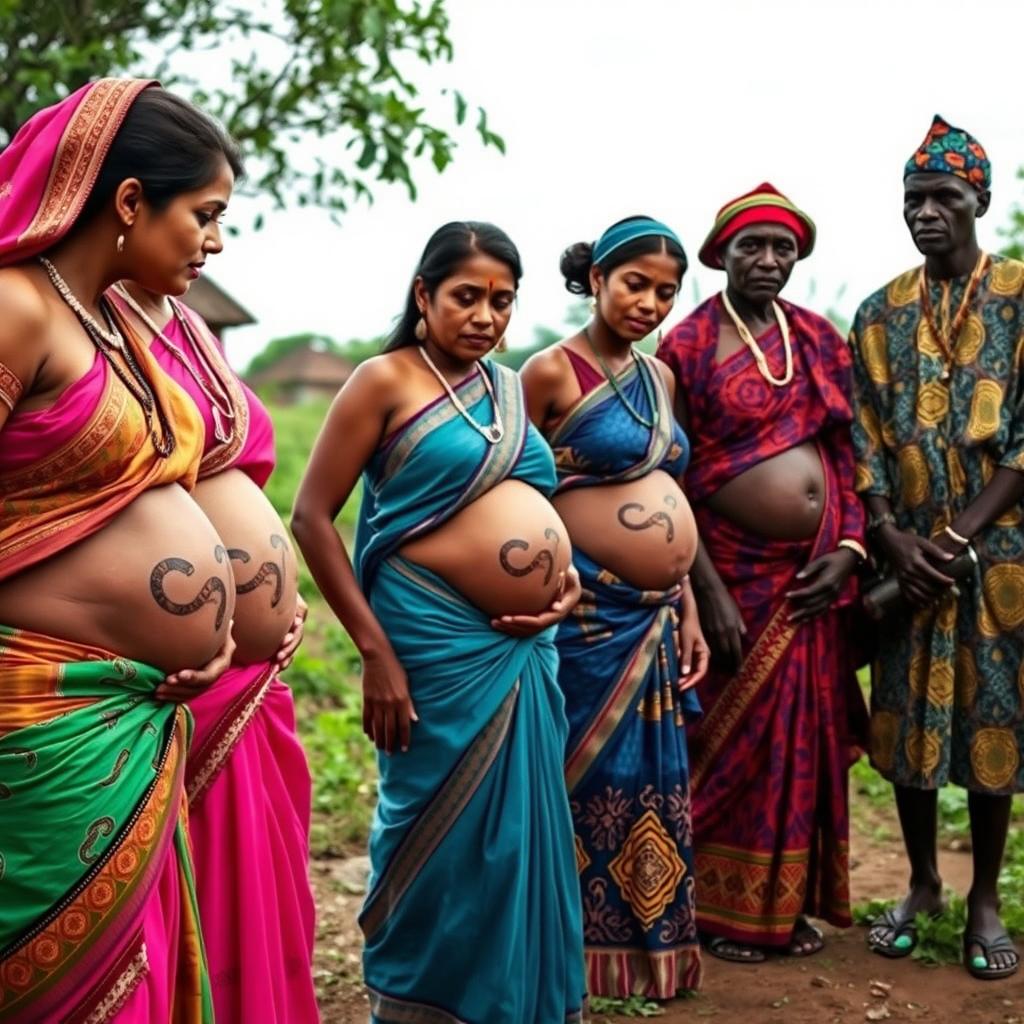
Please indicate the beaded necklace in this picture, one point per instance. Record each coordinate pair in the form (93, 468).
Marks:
(756, 351)
(496, 431)
(109, 341)
(947, 342)
(206, 377)
(613, 381)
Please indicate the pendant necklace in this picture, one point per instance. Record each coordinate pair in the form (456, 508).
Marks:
(496, 431)
(947, 342)
(648, 387)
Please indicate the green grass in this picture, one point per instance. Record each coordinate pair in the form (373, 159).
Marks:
(634, 1006)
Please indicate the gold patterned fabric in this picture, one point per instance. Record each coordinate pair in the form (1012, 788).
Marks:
(948, 682)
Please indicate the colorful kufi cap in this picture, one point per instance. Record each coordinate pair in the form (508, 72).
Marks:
(629, 230)
(949, 150)
(764, 205)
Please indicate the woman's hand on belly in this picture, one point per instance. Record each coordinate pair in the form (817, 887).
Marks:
(828, 573)
(293, 638)
(182, 686)
(566, 598)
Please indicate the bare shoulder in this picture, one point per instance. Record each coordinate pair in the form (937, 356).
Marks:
(666, 373)
(24, 313)
(380, 375)
(547, 368)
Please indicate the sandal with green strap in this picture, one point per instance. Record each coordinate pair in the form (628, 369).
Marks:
(904, 934)
(978, 966)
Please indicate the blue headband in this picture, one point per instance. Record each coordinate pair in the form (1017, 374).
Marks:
(628, 231)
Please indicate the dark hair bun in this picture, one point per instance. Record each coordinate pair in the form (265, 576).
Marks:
(575, 265)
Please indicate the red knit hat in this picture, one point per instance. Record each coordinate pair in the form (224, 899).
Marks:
(764, 205)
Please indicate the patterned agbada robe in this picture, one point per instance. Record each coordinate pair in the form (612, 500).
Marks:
(948, 682)
(770, 757)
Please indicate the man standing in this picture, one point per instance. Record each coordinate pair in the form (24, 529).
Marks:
(939, 433)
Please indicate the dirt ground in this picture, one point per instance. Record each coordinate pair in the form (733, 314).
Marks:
(838, 986)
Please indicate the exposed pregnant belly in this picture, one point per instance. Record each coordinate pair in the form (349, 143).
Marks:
(782, 498)
(504, 552)
(154, 585)
(643, 531)
(262, 558)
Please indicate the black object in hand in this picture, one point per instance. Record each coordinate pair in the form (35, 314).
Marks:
(886, 598)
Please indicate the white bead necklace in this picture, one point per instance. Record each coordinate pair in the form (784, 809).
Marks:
(496, 431)
(109, 334)
(222, 409)
(755, 349)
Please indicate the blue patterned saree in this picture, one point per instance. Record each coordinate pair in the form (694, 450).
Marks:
(626, 763)
(473, 910)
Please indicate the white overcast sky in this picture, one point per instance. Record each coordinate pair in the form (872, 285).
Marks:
(663, 107)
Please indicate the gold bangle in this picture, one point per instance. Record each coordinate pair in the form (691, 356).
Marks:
(855, 546)
(953, 535)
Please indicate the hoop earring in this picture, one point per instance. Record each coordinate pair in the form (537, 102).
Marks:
(421, 330)
(502, 345)
(120, 243)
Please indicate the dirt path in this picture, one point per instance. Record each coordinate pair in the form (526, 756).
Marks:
(834, 987)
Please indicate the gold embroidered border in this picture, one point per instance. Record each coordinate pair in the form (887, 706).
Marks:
(617, 703)
(80, 154)
(30, 969)
(127, 982)
(96, 441)
(437, 818)
(10, 387)
(732, 705)
(225, 736)
(221, 456)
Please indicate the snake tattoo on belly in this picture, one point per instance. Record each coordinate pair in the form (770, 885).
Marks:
(213, 590)
(658, 518)
(543, 559)
(267, 571)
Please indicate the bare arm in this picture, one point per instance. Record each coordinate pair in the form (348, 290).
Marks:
(347, 440)
(544, 377)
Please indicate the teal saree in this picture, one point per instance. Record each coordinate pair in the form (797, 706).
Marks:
(473, 912)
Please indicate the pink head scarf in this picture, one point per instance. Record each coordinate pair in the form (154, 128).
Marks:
(51, 165)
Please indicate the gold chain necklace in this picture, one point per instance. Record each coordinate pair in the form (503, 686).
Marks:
(755, 350)
(496, 431)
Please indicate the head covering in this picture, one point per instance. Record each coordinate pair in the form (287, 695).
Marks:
(949, 150)
(51, 165)
(629, 230)
(764, 205)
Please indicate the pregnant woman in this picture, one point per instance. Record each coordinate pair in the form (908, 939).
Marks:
(764, 387)
(111, 575)
(633, 650)
(463, 565)
(247, 778)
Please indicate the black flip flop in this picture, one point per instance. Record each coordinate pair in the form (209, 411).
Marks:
(716, 946)
(1000, 944)
(898, 926)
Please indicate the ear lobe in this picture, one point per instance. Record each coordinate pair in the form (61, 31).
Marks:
(128, 200)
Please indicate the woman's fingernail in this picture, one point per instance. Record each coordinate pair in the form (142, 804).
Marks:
(686, 670)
